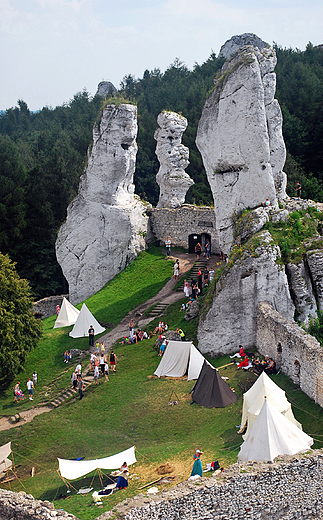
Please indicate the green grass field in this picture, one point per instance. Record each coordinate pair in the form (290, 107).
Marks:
(131, 409)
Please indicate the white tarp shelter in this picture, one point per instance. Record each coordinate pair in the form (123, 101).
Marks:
(5, 463)
(84, 321)
(67, 315)
(254, 399)
(73, 469)
(272, 435)
(180, 357)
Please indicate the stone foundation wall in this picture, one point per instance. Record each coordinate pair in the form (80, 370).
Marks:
(47, 306)
(20, 506)
(179, 223)
(296, 353)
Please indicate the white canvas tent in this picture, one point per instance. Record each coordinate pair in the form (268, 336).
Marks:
(272, 435)
(180, 357)
(5, 463)
(67, 315)
(73, 469)
(84, 320)
(254, 399)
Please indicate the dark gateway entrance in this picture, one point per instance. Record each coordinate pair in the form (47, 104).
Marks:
(195, 238)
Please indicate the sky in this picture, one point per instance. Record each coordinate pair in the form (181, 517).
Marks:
(52, 49)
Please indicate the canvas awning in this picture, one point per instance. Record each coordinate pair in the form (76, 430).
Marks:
(5, 451)
(73, 469)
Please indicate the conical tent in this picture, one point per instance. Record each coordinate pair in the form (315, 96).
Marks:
(272, 435)
(180, 357)
(254, 398)
(67, 315)
(210, 390)
(84, 321)
(5, 463)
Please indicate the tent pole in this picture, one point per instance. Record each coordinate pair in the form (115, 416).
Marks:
(100, 477)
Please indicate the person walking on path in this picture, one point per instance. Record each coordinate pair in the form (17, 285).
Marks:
(176, 270)
(106, 371)
(197, 466)
(198, 250)
(96, 375)
(80, 386)
(30, 388)
(207, 249)
(168, 244)
(113, 359)
(91, 336)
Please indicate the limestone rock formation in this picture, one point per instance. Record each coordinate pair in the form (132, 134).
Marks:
(240, 136)
(106, 223)
(314, 260)
(301, 292)
(173, 156)
(255, 277)
(231, 46)
(105, 89)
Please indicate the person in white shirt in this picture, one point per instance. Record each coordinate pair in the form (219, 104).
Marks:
(30, 388)
(96, 374)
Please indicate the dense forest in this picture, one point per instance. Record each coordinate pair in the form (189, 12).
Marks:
(43, 154)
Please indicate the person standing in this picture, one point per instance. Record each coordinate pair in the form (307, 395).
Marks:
(206, 277)
(80, 386)
(207, 249)
(113, 358)
(91, 336)
(199, 281)
(106, 371)
(197, 466)
(168, 244)
(186, 289)
(102, 364)
(35, 378)
(74, 381)
(211, 274)
(131, 328)
(30, 388)
(298, 190)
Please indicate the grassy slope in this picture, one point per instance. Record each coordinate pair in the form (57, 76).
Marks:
(133, 409)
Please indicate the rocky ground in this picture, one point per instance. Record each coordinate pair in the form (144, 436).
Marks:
(289, 489)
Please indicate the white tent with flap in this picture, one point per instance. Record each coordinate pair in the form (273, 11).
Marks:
(254, 399)
(67, 315)
(5, 463)
(272, 435)
(180, 357)
(73, 469)
(84, 321)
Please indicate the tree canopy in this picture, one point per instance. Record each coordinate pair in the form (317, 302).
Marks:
(19, 330)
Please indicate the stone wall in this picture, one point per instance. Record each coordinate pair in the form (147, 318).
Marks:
(183, 221)
(47, 306)
(20, 506)
(298, 354)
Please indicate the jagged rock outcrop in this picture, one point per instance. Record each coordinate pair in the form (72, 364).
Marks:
(301, 292)
(230, 47)
(240, 136)
(106, 223)
(105, 89)
(173, 156)
(254, 277)
(314, 260)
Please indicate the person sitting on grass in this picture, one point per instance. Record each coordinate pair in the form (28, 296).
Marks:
(243, 363)
(123, 478)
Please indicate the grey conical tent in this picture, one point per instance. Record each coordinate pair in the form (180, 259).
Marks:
(210, 390)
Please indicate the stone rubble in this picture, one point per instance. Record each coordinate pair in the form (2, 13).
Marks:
(281, 492)
(20, 506)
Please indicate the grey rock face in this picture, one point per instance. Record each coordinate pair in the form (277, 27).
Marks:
(301, 292)
(315, 264)
(105, 88)
(240, 138)
(251, 224)
(106, 223)
(256, 277)
(173, 156)
(231, 46)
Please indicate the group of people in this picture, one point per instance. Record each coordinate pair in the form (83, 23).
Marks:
(18, 394)
(267, 365)
(199, 250)
(194, 289)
